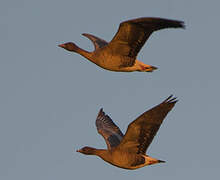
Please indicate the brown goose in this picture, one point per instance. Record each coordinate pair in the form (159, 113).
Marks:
(121, 52)
(129, 151)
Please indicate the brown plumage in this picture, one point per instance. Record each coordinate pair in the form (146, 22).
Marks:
(129, 151)
(121, 52)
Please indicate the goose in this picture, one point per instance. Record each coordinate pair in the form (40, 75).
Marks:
(121, 52)
(129, 151)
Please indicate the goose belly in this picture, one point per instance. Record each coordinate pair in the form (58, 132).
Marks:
(111, 62)
(128, 161)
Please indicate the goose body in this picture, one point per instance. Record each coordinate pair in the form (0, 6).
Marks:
(120, 54)
(129, 151)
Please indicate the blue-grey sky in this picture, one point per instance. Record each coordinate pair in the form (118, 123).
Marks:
(49, 98)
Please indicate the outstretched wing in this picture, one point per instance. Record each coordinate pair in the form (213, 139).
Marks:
(107, 128)
(132, 35)
(97, 42)
(141, 132)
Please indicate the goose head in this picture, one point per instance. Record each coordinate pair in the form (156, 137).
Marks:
(87, 150)
(69, 46)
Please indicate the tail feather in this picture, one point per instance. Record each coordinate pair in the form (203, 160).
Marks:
(161, 161)
(150, 69)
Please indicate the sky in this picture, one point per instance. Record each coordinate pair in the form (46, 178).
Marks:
(49, 98)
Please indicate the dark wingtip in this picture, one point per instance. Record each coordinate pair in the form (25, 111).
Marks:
(101, 113)
(85, 34)
(171, 99)
(177, 24)
(174, 24)
(90, 36)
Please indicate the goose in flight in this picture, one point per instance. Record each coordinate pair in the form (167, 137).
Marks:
(121, 52)
(129, 151)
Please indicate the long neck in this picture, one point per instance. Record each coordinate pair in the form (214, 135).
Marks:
(104, 154)
(99, 152)
(83, 52)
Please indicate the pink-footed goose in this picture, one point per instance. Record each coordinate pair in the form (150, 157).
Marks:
(121, 52)
(129, 151)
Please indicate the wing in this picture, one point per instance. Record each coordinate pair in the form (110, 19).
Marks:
(97, 42)
(132, 35)
(107, 128)
(141, 132)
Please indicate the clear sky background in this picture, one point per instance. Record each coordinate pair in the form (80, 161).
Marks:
(49, 98)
